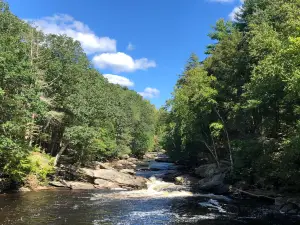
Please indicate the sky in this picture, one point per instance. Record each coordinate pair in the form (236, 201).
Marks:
(140, 44)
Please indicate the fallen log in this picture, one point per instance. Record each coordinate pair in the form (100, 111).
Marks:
(253, 195)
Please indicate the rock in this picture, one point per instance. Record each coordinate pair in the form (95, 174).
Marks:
(24, 189)
(214, 184)
(124, 164)
(133, 160)
(121, 179)
(288, 205)
(125, 156)
(179, 180)
(5, 184)
(76, 185)
(209, 170)
(129, 171)
(57, 184)
(104, 166)
(150, 155)
(164, 159)
(104, 184)
(206, 171)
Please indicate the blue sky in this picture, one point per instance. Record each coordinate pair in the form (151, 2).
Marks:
(144, 43)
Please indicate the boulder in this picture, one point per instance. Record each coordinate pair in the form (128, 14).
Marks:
(121, 179)
(133, 160)
(24, 189)
(104, 166)
(288, 205)
(104, 184)
(124, 164)
(179, 180)
(76, 185)
(209, 170)
(57, 184)
(129, 171)
(214, 184)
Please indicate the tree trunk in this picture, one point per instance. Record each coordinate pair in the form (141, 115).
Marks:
(57, 157)
(228, 140)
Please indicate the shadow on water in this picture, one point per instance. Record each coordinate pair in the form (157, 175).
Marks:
(151, 206)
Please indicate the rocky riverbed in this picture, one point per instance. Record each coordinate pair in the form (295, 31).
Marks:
(151, 191)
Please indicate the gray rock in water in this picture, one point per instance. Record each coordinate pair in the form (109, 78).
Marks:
(121, 179)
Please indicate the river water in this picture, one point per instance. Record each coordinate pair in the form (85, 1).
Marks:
(161, 203)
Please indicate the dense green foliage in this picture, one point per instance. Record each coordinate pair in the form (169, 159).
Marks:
(51, 98)
(242, 102)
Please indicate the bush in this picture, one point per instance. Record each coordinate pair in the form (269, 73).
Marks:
(41, 165)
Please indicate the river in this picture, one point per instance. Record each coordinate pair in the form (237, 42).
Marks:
(161, 203)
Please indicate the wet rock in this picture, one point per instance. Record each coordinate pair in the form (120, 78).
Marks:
(76, 185)
(179, 180)
(129, 171)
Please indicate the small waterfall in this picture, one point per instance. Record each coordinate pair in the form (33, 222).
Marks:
(155, 189)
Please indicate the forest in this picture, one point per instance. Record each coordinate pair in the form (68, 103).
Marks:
(53, 103)
(241, 104)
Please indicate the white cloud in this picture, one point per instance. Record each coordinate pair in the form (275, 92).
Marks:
(223, 1)
(235, 12)
(67, 25)
(130, 47)
(115, 79)
(121, 62)
(150, 93)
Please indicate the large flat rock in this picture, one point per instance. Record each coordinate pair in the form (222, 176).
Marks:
(120, 179)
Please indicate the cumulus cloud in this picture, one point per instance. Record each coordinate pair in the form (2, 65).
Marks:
(116, 79)
(121, 62)
(235, 13)
(150, 93)
(130, 47)
(67, 25)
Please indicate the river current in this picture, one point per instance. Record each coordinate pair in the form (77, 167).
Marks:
(160, 203)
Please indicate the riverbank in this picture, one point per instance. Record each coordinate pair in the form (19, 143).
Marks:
(156, 175)
(162, 201)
